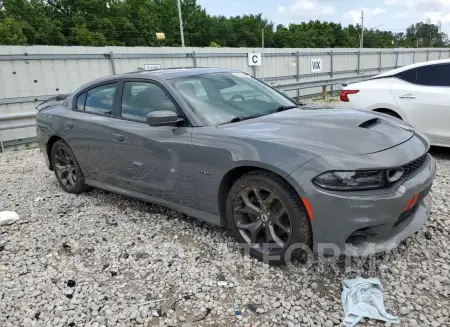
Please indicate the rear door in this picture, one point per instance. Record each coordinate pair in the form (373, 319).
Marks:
(423, 94)
(156, 161)
(87, 130)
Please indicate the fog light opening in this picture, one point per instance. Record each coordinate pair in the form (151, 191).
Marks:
(360, 236)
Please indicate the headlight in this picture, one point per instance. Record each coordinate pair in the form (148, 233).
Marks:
(352, 180)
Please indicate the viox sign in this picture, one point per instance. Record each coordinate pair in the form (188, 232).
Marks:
(316, 65)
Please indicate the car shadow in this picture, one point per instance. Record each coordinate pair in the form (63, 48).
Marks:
(125, 204)
(440, 152)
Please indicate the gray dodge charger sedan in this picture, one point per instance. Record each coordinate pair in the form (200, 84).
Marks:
(221, 146)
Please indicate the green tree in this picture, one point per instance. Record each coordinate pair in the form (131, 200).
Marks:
(82, 36)
(136, 22)
(426, 35)
(11, 32)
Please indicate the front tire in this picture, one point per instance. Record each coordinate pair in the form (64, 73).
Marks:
(67, 169)
(266, 215)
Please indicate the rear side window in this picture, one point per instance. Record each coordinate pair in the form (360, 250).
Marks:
(98, 100)
(409, 76)
(435, 75)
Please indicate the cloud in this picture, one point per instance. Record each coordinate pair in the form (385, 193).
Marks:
(401, 15)
(437, 16)
(432, 5)
(308, 8)
(369, 13)
(421, 5)
(396, 2)
(435, 10)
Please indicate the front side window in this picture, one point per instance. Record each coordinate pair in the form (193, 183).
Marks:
(100, 100)
(220, 97)
(141, 98)
(434, 75)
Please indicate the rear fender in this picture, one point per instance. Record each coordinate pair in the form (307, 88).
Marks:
(388, 106)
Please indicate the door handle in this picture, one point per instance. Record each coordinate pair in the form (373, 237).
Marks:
(407, 96)
(70, 124)
(119, 137)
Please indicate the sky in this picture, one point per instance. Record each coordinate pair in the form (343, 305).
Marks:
(392, 15)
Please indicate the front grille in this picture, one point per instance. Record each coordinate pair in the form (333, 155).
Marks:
(413, 166)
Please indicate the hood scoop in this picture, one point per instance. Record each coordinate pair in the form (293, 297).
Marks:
(370, 123)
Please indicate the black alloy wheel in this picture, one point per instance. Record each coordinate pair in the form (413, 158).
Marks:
(67, 169)
(261, 217)
(266, 214)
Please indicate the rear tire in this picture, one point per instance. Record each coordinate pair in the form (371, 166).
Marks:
(268, 216)
(67, 169)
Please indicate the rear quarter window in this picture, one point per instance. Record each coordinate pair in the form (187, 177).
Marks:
(81, 100)
(409, 76)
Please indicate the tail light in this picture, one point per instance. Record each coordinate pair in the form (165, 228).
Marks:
(345, 93)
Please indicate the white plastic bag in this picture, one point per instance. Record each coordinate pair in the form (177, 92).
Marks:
(8, 217)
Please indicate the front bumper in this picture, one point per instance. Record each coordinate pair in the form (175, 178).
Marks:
(364, 223)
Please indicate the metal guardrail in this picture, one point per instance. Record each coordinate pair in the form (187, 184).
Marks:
(29, 99)
(193, 54)
(266, 79)
(321, 83)
(6, 118)
(330, 78)
(16, 126)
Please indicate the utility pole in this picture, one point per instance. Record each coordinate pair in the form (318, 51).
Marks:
(262, 52)
(180, 18)
(361, 41)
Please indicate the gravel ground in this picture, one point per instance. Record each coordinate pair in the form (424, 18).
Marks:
(332, 102)
(100, 259)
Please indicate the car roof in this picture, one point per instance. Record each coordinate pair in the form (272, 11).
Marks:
(420, 64)
(170, 73)
(160, 74)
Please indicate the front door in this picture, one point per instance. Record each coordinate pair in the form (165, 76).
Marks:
(152, 160)
(425, 100)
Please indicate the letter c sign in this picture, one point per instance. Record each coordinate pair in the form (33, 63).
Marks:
(254, 59)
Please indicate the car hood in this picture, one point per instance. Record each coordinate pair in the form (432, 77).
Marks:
(326, 130)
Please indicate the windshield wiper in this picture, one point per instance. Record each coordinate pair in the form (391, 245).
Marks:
(283, 108)
(241, 118)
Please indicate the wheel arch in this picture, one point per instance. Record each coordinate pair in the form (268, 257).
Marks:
(52, 140)
(388, 111)
(236, 172)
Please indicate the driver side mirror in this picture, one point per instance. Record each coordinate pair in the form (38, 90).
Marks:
(163, 118)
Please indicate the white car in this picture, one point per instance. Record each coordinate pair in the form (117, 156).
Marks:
(419, 94)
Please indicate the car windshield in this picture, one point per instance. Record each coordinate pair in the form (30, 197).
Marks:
(225, 97)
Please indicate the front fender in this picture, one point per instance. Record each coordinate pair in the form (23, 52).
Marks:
(215, 155)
